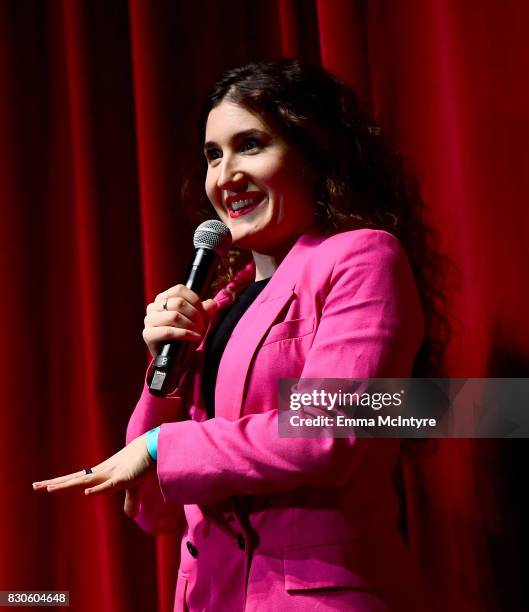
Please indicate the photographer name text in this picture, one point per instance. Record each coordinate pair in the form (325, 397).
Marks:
(319, 400)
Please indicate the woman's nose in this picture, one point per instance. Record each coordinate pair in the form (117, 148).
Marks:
(230, 177)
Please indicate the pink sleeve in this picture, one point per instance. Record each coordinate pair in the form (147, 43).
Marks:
(154, 516)
(370, 326)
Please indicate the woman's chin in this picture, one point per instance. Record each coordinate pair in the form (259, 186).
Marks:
(245, 238)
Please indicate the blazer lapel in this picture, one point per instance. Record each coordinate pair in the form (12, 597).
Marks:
(238, 355)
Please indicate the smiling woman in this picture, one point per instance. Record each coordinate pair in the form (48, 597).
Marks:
(253, 181)
(329, 278)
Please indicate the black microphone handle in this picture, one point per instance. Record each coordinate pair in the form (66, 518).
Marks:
(171, 359)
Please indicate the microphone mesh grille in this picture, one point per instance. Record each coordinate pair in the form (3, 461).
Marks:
(213, 235)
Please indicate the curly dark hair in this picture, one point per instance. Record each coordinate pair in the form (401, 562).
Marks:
(362, 182)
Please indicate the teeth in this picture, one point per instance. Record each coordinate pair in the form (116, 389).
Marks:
(240, 204)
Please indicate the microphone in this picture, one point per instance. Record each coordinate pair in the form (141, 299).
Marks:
(212, 240)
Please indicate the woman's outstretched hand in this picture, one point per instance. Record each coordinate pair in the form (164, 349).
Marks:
(123, 470)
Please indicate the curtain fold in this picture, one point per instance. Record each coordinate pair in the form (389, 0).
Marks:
(98, 114)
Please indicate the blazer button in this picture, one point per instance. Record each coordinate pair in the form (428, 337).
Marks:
(241, 542)
(192, 550)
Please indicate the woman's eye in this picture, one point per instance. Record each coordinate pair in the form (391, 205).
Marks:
(251, 143)
(213, 154)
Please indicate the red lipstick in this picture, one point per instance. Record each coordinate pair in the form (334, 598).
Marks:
(242, 203)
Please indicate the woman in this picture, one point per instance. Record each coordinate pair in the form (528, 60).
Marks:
(318, 286)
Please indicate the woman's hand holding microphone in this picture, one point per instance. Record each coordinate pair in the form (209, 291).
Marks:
(175, 314)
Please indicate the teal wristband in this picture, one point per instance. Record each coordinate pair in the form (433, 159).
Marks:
(152, 442)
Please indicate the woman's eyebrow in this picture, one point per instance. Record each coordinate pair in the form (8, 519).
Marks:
(239, 136)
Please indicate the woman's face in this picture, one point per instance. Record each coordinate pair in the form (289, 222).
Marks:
(256, 181)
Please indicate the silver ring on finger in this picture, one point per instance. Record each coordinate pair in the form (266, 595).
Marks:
(88, 471)
(164, 304)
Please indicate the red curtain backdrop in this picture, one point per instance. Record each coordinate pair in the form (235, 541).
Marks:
(97, 107)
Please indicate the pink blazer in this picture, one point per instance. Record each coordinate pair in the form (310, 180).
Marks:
(290, 524)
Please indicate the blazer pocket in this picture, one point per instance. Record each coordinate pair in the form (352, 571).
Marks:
(293, 328)
(325, 566)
